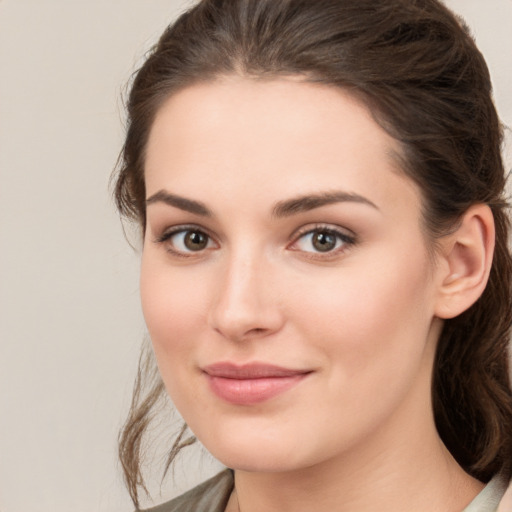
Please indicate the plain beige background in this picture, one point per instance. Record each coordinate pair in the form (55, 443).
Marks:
(70, 321)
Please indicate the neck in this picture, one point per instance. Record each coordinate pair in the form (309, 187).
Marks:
(390, 470)
(430, 481)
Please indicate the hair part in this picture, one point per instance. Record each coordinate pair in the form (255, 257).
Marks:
(416, 67)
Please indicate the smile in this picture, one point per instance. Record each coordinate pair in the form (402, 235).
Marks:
(252, 383)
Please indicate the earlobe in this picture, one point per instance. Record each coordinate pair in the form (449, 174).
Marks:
(467, 258)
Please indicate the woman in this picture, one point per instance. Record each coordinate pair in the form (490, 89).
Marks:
(325, 274)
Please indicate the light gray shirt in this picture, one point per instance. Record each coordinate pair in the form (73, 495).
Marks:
(213, 496)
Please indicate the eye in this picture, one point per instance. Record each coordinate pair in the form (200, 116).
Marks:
(184, 241)
(323, 240)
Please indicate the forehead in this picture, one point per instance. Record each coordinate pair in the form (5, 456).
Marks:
(235, 109)
(274, 137)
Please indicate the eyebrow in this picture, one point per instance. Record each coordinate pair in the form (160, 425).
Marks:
(311, 201)
(281, 209)
(188, 205)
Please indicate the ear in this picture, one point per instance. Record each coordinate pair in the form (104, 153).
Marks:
(464, 262)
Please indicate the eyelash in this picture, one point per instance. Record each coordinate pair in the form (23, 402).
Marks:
(167, 235)
(347, 240)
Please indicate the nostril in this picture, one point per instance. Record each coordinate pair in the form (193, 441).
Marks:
(256, 332)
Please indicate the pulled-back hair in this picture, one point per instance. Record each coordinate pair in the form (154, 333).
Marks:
(416, 67)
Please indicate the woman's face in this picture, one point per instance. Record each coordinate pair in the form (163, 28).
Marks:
(285, 280)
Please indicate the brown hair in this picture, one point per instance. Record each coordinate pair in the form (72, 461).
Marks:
(414, 64)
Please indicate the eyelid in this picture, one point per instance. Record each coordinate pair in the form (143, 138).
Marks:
(348, 237)
(166, 235)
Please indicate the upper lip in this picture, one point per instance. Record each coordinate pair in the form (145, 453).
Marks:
(229, 370)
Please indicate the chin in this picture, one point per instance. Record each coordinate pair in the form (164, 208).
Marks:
(253, 453)
(262, 462)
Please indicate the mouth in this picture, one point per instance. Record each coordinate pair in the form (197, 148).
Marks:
(251, 383)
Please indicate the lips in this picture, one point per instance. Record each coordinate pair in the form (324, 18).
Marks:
(251, 383)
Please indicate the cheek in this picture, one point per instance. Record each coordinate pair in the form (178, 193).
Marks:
(370, 315)
(171, 304)
(372, 328)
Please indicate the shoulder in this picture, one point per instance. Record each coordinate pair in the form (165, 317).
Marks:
(491, 495)
(210, 496)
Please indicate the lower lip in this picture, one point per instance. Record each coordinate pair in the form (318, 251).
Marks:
(252, 391)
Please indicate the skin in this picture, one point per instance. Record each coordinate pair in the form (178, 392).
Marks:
(357, 434)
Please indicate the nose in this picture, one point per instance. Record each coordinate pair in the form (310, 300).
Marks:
(246, 304)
